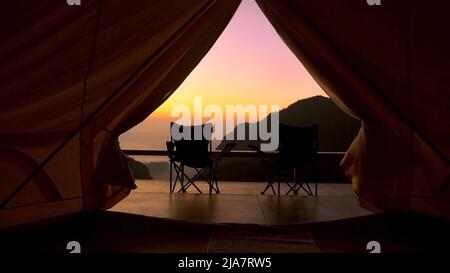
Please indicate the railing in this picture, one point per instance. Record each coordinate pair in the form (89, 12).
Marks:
(328, 165)
(231, 154)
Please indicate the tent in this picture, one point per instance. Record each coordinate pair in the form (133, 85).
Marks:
(73, 78)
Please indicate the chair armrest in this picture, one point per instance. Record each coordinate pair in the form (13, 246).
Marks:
(265, 158)
(257, 149)
(226, 150)
(228, 147)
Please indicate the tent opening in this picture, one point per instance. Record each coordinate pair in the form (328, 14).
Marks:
(249, 64)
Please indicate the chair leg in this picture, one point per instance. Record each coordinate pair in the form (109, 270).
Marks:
(217, 183)
(200, 173)
(279, 184)
(210, 182)
(292, 188)
(309, 191)
(271, 181)
(300, 184)
(192, 180)
(214, 184)
(170, 177)
(177, 170)
(215, 177)
(181, 175)
(183, 188)
(191, 183)
(269, 185)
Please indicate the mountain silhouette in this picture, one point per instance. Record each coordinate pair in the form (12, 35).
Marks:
(337, 129)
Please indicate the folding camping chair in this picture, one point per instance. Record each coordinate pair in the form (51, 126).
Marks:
(297, 148)
(191, 148)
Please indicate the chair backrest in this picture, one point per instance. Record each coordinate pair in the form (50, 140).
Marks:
(298, 145)
(194, 148)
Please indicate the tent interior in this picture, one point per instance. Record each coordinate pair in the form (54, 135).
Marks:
(74, 78)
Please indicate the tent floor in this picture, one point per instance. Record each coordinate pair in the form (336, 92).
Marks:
(122, 232)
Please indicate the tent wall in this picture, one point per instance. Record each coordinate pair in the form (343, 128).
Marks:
(389, 66)
(74, 78)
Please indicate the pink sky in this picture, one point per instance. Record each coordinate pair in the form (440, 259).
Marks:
(249, 64)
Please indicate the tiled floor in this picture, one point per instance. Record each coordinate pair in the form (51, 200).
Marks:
(241, 202)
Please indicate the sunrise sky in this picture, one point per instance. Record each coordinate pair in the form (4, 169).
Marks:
(249, 64)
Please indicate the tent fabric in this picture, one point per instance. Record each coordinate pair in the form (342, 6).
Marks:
(73, 78)
(389, 66)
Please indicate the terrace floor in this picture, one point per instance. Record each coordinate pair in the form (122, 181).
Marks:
(241, 202)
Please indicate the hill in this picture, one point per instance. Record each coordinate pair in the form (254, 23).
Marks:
(337, 129)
